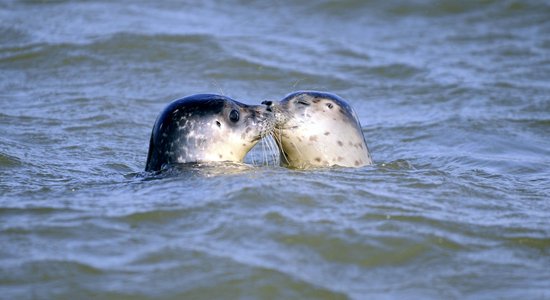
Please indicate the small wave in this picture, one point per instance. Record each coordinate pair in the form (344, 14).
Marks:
(539, 243)
(12, 36)
(51, 269)
(233, 273)
(147, 49)
(399, 164)
(394, 71)
(8, 161)
(200, 169)
(431, 8)
(32, 210)
(154, 216)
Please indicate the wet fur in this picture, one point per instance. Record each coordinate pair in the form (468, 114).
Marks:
(198, 128)
(317, 129)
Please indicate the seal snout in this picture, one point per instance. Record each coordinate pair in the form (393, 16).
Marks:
(280, 111)
(269, 105)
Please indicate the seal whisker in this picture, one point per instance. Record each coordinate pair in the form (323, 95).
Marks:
(253, 160)
(277, 140)
(220, 89)
(276, 158)
(264, 157)
(272, 146)
(269, 151)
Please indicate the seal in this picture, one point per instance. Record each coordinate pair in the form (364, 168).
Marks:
(206, 128)
(318, 129)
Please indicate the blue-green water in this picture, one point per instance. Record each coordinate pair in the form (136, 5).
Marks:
(454, 98)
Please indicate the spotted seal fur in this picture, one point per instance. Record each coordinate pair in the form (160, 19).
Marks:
(318, 129)
(206, 128)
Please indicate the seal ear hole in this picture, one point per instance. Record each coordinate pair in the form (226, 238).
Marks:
(219, 124)
(330, 106)
(234, 115)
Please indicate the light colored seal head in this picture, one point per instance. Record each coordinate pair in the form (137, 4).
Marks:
(318, 129)
(206, 128)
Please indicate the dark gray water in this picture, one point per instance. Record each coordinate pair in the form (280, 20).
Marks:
(454, 98)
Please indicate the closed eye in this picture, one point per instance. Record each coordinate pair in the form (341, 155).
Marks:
(304, 102)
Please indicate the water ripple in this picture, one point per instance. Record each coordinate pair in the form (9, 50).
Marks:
(453, 98)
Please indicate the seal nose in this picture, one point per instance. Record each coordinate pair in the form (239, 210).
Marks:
(268, 104)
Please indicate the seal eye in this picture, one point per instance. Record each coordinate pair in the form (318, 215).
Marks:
(218, 123)
(234, 116)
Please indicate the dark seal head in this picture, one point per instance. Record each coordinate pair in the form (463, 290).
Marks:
(318, 129)
(206, 128)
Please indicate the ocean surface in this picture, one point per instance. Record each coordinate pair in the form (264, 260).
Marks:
(453, 98)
